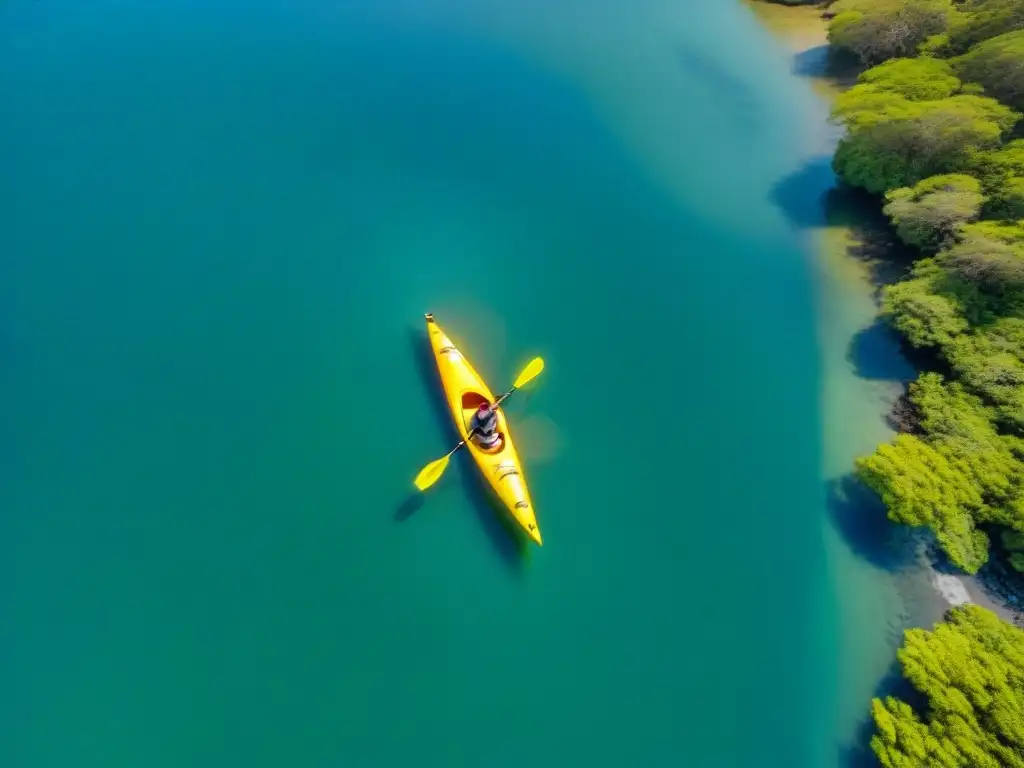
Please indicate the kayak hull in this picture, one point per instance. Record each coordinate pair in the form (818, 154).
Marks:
(464, 391)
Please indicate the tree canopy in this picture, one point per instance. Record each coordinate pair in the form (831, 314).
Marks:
(919, 79)
(975, 21)
(922, 486)
(922, 133)
(929, 214)
(925, 309)
(989, 360)
(960, 474)
(927, 130)
(877, 30)
(998, 65)
(970, 669)
(893, 141)
(988, 262)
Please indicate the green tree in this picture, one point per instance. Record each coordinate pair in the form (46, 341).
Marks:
(1001, 173)
(885, 29)
(922, 486)
(993, 167)
(895, 142)
(998, 65)
(918, 79)
(993, 264)
(929, 214)
(922, 309)
(959, 425)
(1005, 232)
(979, 20)
(961, 474)
(970, 668)
(1008, 201)
(991, 362)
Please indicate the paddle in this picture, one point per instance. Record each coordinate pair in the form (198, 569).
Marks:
(431, 473)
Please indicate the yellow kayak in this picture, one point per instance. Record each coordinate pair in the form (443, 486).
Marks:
(465, 392)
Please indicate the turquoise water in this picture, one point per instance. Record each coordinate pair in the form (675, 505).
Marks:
(222, 229)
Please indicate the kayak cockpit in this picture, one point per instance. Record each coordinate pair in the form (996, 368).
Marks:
(471, 401)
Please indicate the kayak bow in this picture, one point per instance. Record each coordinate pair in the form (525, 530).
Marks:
(465, 391)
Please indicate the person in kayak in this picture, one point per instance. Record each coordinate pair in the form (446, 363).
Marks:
(485, 424)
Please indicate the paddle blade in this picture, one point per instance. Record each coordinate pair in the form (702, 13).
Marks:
(530, 372)
(431, 473)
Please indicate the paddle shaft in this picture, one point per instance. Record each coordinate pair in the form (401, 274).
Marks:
(501, 399)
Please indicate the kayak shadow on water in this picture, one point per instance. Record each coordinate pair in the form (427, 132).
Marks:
(511, 545)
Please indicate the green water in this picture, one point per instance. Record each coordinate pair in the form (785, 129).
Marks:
(221, 229)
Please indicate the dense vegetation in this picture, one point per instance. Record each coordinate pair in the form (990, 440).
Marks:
(932, 134)
(877, 30)
(931, 131)
(971, 670)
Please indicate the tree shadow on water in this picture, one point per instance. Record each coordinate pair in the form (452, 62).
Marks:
(860, 518)
(812, 198)
(821, 61)
(873, 240)
(811, 62)
(799, 195)
(494, 519)
(876, 354)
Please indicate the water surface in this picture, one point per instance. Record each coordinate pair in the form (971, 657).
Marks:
(223, 228)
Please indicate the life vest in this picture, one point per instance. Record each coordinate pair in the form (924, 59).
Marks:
(486, 429)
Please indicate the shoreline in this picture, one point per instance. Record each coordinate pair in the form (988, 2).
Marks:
(803, 30)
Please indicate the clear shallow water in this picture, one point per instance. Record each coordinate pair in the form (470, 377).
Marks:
(222, 230)
(880, 584)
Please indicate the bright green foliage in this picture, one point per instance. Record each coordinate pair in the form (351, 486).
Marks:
(960, 426)
(869, 7)
(979, 20)
(935, 45)
(1008, 201)
(931, 212)
(917, 309)
(950, 413)
(998, 65)
(928, 134)
(895, 142)
(962, 474)
(971, 669)
(993, 167)
(989, 258)
(863, 108)
(922, 486)
(1010, 158)
(919, 79)
(1006, 232)
(877, 30)
(991, 362)
(1000, 173)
